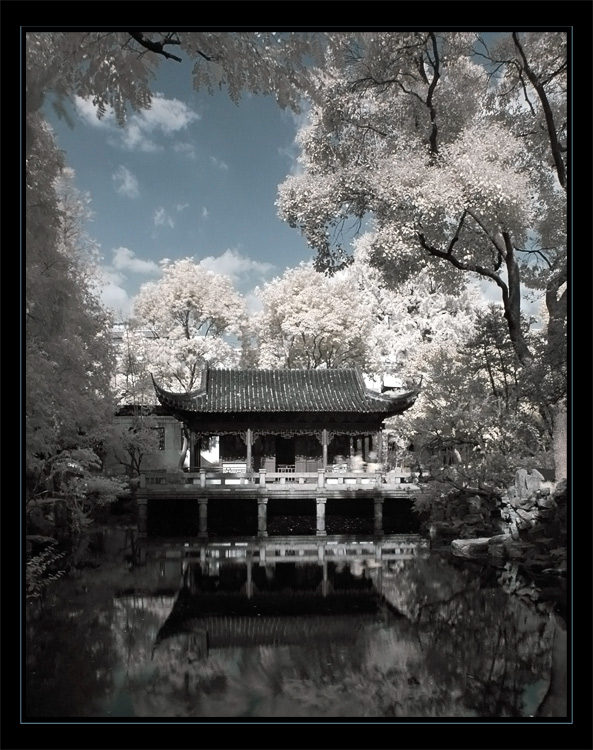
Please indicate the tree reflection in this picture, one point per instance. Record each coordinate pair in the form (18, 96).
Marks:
(477, 641)
(443, 640)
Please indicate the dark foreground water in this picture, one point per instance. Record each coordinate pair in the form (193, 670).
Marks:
(343, 627)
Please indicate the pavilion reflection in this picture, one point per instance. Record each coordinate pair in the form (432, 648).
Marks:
(239, 592)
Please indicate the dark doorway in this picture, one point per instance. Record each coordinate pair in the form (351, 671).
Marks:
(285, 451)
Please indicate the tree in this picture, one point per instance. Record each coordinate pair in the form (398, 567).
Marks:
(189, 319)
(310, 320)
(452, 164)
(133, 442)
(478, 416)
(412, 320)
(68, 351)
(114, 68)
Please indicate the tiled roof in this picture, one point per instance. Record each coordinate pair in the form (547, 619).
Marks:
(233, 391)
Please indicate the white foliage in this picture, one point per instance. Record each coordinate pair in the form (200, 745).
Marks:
(190, 318)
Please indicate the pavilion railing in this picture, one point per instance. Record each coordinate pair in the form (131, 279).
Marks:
(224, 478)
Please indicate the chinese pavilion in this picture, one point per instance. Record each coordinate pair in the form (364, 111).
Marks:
(283, 420)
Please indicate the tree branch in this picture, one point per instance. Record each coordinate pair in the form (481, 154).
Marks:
(552, 135)
(156, 47)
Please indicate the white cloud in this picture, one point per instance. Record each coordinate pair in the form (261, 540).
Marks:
(231, 263)
(162, 218)
(134, 138)
(125, 182)
(125, 259)
(205, 213)
(182, 206)
(218, 163)
(116, 298)
(165, 117)
(188, 150)
(114, 279)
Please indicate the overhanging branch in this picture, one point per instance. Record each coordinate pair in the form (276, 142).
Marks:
(156, 47)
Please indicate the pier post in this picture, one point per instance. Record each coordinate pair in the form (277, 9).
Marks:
(249, 585)
(321, 516)
(142, 519)
(378, 515)
(262, 516)
(320, 477)
(203, 511)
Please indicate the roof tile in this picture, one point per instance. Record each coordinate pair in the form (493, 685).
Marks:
(258, 390)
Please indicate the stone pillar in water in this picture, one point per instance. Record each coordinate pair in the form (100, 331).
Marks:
(321, 516)
(262, 516)
(203, 516)
(378, 515)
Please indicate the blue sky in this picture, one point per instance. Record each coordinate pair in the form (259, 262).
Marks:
(194, 176)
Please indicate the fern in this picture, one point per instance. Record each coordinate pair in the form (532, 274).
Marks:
(39, 573)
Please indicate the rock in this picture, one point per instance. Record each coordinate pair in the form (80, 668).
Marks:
(516, 550)
(526, 515)
(546, 501)
(534, 480)
(497, 551)
(470, 547)
(499, 538)
(521, 483)
(475, 503)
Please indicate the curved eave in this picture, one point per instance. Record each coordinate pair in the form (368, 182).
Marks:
(400, 403)
(183, 401)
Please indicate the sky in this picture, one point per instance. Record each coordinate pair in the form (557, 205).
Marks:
(196, 175)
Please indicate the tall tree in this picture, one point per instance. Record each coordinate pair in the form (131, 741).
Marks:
(311, 320)
(455, 161)
(190, 318)
(412, 318)
(68, 353)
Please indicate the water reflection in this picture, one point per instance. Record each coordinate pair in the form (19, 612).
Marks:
(342, 627)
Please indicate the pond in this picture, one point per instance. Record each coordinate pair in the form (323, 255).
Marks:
(337, 627)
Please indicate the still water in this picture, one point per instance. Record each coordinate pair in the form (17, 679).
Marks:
(338, 627)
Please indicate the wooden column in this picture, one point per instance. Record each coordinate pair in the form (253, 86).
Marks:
(248, 440)
(379, 446)
(262, 516)
(324, 447)
(203, 511)
(321, 516)
(193, 459)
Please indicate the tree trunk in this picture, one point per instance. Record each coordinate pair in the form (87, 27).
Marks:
(512, 303)
(560, 440)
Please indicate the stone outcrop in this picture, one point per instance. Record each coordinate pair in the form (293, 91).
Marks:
(533, 525)
(460, 515)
